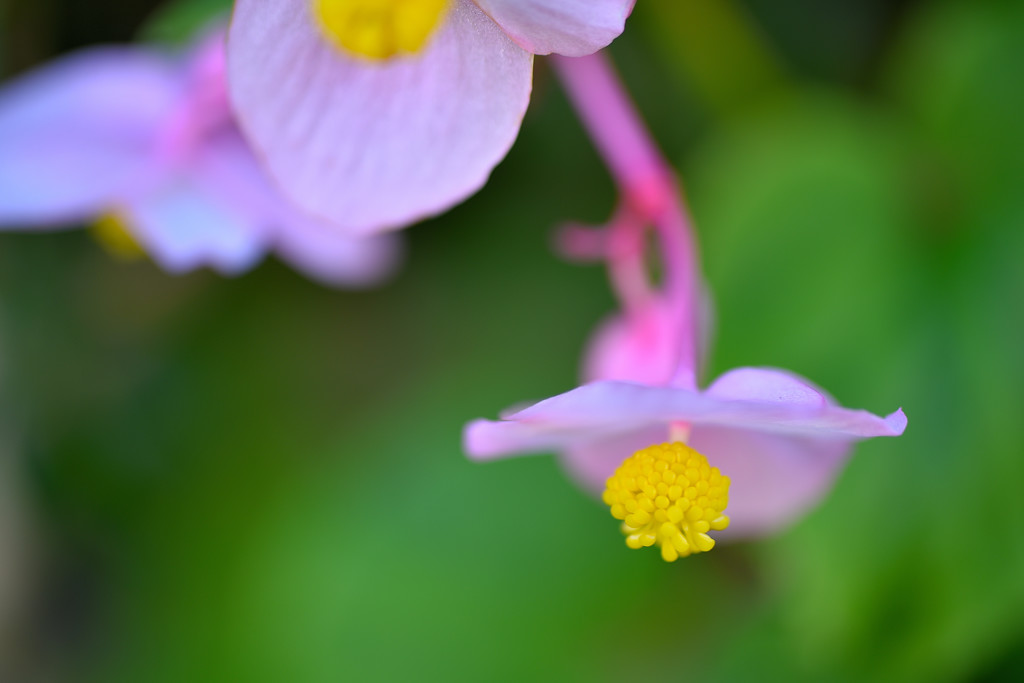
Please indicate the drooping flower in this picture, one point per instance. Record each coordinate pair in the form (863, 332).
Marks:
(779, 439)
(143, 145)
(668, 457)
(376, 113)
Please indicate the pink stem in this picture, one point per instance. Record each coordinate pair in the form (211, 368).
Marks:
(627, 266)
(647, 184)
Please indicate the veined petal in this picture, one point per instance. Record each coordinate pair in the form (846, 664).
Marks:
(371, 146)
(78, 135)
(573, 28)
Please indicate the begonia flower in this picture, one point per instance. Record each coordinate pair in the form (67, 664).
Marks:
(779, 439)
(143, 145)
(374, 114)
(668, 457)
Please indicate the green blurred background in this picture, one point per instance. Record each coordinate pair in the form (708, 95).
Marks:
(260, 479)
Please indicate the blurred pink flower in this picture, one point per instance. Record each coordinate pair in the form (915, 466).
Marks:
(374, 115)
(142, 141)
(765, 441)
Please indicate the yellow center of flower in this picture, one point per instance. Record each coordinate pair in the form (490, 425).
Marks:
(669, 495)
(380, 29)
(111, 231)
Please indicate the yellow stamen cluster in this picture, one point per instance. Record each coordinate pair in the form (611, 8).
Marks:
(380, 29)
(669, 495)
(111, 231)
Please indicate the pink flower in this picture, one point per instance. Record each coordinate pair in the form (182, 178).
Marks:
(779, 439)
(376, 114)
(670, 457)
(144, 142)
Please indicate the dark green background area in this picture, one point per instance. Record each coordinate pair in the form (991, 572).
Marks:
(259, 479)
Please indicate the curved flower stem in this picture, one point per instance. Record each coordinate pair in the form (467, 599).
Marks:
(648, 187)
(626, 258)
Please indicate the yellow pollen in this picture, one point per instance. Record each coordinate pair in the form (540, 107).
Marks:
(111, 231)
(380, 29)
(668, 495)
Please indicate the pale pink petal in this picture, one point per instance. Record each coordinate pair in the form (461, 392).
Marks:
(492, 439)
(613, 404)
(618, 405)
(567, 27)
(333, 257)
(185, 226)
(598, 409)
(204, 213)
(227, 164)
(775, 478)
(768, 385)
(780, 401)
(76, 136)
(592, 412)
(588, 413)
(373, 146)
(591, 462)
(324, 252)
